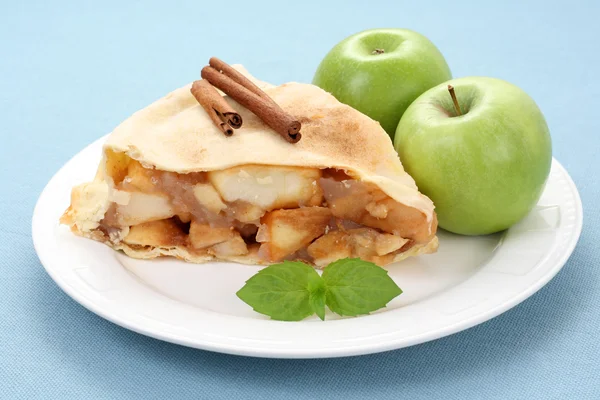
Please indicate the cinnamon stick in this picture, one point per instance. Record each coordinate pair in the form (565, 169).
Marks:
(234, 74)
(220, 112)
(262, 106)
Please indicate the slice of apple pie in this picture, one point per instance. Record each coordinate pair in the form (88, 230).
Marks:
(171, 184)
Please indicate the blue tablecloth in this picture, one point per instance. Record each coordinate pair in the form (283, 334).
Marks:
(71, 71)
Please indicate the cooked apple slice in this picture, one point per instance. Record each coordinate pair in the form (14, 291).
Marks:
(291, 230)
(367, 243)
(116, 165)
(208, 197)
(368, 205)
(246, 212)
(386, 243)
(140, 178)
(232, 247)
(364, 243)
(203, 235)
(185, 217)
(143, 207)
(330, 247)
(269, 187)
(164, 232)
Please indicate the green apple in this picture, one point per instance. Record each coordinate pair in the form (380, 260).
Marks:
(381, 71)
(484, 169)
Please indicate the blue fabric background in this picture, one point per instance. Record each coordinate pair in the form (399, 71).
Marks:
(70, 72)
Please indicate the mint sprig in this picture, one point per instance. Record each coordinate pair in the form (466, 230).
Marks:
(356, 287)
(288, 291)
(292, 291)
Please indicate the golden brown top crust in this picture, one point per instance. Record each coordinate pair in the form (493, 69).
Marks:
(175, 134)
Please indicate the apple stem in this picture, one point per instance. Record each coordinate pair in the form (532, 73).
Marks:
(378, 51)
(454, 100)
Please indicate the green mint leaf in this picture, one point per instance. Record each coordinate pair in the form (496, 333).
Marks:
(355, 287)
(316, 287)
(317, 303)
(283, 291)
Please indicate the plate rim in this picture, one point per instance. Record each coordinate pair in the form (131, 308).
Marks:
(341, 351)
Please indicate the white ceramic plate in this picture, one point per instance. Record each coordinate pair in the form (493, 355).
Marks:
(469, 280)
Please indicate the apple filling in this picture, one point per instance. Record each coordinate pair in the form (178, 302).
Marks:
(266, 213)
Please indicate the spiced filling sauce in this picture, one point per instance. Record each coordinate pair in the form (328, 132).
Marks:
(276, 213)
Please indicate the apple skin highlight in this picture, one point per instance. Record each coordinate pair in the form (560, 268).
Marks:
(380, 72)
(484, 170)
